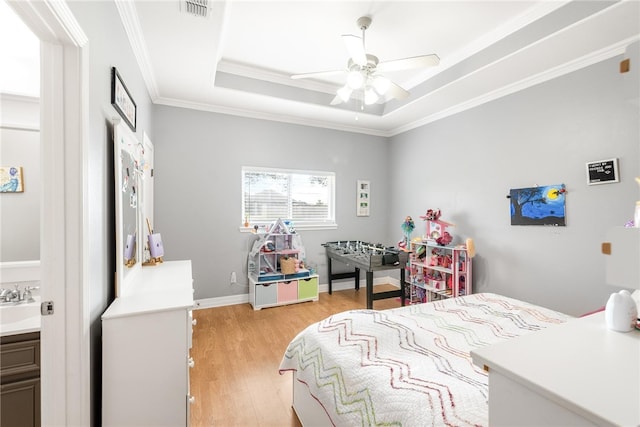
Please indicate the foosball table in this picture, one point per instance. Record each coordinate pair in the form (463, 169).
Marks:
(368, 257)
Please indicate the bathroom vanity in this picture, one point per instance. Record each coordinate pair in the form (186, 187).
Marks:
(20, 360)
(20, 378)
(146, 337)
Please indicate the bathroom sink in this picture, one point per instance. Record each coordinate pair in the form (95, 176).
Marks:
(19, 318)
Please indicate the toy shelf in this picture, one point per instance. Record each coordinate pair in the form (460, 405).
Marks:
(435, 272)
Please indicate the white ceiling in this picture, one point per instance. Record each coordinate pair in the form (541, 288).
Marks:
(238, 60)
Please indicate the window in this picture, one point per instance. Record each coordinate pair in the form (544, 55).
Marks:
(304, 197)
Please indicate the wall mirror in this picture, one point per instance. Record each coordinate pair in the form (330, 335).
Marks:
(127, 197)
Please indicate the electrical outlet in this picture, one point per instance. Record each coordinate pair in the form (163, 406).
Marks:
(234, 279)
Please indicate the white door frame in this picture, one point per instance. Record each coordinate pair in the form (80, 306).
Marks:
(65, 340)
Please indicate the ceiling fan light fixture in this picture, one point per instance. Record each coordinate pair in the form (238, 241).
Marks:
(344, 93)
(370, 96)
(355, 80)
(381, 84)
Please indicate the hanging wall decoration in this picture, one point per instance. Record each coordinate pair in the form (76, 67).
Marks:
(538, 205)
(602, 172)
(363, 199)
(11, 179)
(121, 99)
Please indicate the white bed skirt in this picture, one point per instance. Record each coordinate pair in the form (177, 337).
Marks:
(307, 408)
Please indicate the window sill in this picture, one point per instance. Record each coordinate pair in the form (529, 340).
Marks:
(311, 227)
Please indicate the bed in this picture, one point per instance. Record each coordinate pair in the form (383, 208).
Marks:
(408, 366)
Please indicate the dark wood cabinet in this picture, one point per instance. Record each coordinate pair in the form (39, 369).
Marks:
(20, 380)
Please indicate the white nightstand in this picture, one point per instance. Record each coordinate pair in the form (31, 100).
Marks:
(577, 373)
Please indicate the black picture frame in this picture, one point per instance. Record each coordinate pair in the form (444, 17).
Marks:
(122, 100)
(602, 172)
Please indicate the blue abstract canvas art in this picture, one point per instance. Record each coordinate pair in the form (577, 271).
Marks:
(538, 205)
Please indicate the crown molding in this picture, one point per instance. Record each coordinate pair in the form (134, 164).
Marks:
(131, 23)
(261, 115)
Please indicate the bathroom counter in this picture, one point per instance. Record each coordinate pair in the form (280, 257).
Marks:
(20, 318)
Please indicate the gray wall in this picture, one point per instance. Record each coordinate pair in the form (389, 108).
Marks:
(20, 212)
(198, 161)
(108, 46)
(465, 165)
(543, 135)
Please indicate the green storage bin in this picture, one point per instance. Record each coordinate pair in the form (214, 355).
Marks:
(308, 288)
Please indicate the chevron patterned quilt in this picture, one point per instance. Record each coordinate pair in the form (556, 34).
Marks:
(408, 366)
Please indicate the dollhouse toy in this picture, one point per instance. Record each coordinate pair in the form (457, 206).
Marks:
(277, 274)
(437, 228)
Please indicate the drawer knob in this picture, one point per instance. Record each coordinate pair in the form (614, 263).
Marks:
(192, 362)
(194, 322)
(192, 400)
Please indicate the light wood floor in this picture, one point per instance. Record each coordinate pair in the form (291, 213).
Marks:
(237, 352)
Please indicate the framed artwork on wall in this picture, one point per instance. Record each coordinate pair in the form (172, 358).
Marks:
(121, 99)
(363, 198)
(543, 205)
(602, 172)
(11, 179)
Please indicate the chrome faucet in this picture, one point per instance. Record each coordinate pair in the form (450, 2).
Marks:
(26, 293)
(10, 295)
(16, 295)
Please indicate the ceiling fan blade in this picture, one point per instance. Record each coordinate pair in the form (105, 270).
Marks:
(408, 63)
(337, 100)
(396, 92)
(317, 74)
(355, 47)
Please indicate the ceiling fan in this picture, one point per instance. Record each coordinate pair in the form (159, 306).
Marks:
(364, 71)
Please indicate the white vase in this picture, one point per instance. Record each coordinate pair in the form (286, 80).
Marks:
(621, 312)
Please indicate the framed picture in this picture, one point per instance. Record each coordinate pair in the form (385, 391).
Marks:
(363, 202)
(602, 172)
(538, 205)
(121, 99)
(11, 179)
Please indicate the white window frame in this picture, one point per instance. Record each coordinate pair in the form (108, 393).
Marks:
(329, 223)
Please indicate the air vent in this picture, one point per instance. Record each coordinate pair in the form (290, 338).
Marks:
(196, 7)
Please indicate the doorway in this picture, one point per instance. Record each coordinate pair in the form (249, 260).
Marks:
(65, 355)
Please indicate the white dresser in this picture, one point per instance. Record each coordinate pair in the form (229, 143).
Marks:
(577, 373)
(146, 337)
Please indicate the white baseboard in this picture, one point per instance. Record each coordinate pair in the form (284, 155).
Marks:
(244, 298)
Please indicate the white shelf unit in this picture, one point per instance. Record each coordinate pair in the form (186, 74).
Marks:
(435, 272)
(269, 286)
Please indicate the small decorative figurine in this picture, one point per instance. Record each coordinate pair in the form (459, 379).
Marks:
(407, 227)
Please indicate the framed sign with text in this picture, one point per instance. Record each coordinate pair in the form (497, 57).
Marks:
(602, 172)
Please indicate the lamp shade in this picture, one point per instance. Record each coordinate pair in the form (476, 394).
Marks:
(344, 93)
(370, 96)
